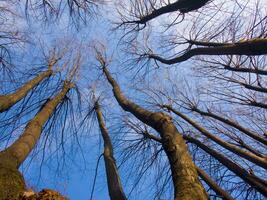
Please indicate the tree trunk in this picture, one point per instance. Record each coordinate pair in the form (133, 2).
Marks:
(113, 178)
(7, 101)
(254, 181)
(205, 177)
(184, 174)
(11, 180)
(260, 161)
(213, 185)
(233, 124)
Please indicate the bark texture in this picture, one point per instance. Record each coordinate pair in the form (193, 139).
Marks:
(7, 101)
(184, 174)
(12, 183)
(113, 178)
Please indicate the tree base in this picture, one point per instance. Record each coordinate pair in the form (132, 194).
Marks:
(12, 183)
(45, 194)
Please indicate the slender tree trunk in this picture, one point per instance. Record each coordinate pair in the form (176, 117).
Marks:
(260, 161)
(7, 101)
(113, 178)
(11, 181)
(233, 124)
(184, 174)
(213, 185)
(254, 181)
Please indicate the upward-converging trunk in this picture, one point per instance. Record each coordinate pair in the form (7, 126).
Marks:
(204, 176)
(233, 124)
(114, 184)
(184, 174)
(11, 181)
(7, 101)
(254, 181)
(260, 161)
(213, 185)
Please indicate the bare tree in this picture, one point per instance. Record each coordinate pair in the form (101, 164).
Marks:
(12, 157)
(113, 179)
(202, 174)
(40, 106)
(208, 138)
(184, 175)
(141, 12)
(7, 101)
(47, 10)
(10, 35)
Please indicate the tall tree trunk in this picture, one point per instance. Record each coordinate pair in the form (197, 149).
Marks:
(254, 181)
(260, 161)
(11, 181)
(184, 174)
(113, 178)
(7, 101)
